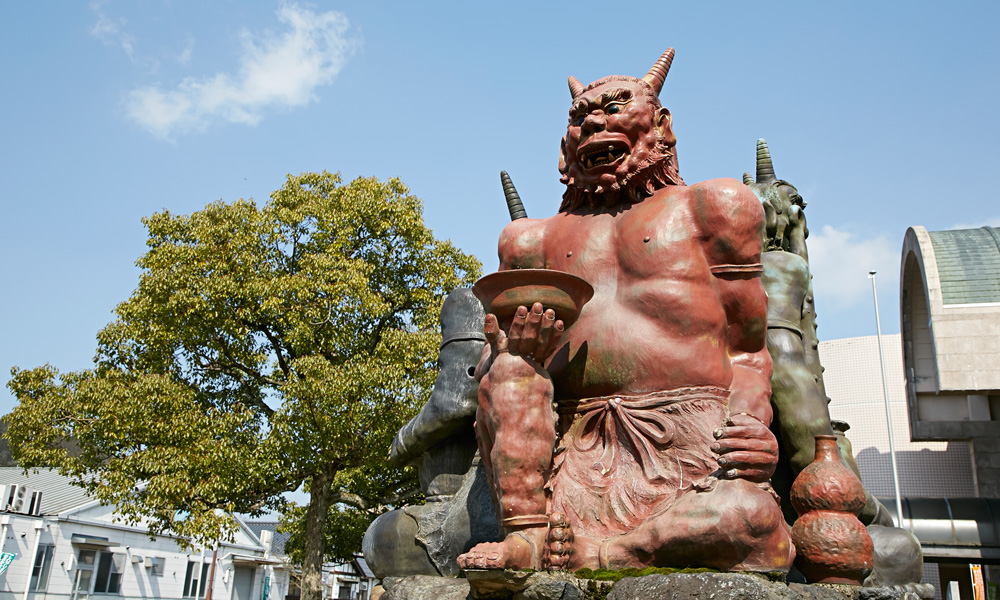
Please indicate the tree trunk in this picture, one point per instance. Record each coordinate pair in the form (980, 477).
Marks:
(312, 559)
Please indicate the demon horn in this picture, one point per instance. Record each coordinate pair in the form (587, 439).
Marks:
(514, 205)
(748, 178)
(575, 87)
(765, 170)
(658, 74)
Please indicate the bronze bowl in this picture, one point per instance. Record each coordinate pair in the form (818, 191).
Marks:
(502, 292)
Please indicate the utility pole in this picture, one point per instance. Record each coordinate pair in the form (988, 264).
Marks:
(211, 573)
(885, 398)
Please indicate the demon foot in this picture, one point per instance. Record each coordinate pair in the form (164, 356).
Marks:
(559, 542)
(518, 551)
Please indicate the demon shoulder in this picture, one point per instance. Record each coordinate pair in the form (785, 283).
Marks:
(730, 219)
(522, 245)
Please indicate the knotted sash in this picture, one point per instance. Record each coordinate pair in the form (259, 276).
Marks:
(608, 420)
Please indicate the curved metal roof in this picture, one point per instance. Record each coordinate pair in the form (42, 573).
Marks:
(952, 527)
(968, 262)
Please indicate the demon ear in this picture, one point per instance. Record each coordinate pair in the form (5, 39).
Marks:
(575, 87)
(664, 124)
(770, 220)
(658, 73)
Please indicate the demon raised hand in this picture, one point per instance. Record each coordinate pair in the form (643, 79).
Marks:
(658, 450)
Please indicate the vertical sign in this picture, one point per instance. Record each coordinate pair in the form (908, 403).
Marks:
(978, 586)
(267, 587)
(5, 559)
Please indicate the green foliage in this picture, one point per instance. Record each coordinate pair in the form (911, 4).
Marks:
(263, 347)
(344, 528)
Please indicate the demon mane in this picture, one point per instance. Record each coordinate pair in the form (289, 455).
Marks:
(656, 172)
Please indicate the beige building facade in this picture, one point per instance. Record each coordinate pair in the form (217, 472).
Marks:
(935, 469)
(950, 322)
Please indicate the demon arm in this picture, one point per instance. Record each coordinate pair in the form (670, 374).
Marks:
(734, 221)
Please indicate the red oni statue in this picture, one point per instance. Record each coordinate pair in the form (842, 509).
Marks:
(638, 434)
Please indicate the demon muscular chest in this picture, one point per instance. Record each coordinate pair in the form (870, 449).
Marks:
(641, 243)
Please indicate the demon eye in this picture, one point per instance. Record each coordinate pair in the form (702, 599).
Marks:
(578, 120)
(613, 109)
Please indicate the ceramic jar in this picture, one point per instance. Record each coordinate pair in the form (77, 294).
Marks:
(831, 544)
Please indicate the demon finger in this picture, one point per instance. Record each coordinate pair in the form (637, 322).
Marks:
(516, 331)
(495, 336)
(755, 475)
(753, 432)
(545, 335)
(555, 336)
(532, 331)
(728, 445)
(746, 462)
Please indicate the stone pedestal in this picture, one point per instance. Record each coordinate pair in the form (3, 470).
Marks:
(521, 585)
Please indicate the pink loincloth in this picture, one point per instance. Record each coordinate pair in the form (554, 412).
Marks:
(624, 459)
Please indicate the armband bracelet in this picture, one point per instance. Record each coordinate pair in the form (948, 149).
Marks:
(751, 268)
(754, 417)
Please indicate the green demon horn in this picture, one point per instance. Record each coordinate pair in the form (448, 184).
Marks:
(658, 73)
(765, 170)
(514, 205)
(747, 178)
(575, 87)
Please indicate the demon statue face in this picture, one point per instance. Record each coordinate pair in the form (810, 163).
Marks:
(784, 221)
(619, 142)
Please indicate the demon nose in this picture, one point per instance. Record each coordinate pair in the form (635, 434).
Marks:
(593, 123)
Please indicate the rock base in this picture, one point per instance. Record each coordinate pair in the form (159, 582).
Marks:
(520, 585)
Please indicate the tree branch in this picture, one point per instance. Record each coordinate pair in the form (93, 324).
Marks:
(278, 351)
(342, 497)
(239, 371)
(383, 322)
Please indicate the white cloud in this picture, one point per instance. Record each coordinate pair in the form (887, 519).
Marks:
(992, 222)
(274, 72)
(840, 262)
(185, 56)
(110, 31)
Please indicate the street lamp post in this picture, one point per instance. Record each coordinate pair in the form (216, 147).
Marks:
(885, 397)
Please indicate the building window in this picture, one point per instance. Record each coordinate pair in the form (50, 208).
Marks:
(40, 570)
(156, 565)
(84, 574)
(109, 573)
(195, 580)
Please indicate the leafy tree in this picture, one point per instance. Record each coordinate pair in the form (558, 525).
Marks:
(264, 348)
(6, 459)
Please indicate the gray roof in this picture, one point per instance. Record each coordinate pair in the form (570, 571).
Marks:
(278, 546)
(58, 494)
(363, 567)
(968, 262)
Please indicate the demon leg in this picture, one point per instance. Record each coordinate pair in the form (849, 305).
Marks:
(516, 432)
(735, 527)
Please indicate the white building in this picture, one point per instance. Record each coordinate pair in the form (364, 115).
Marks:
(66, 546)
(351, 580)
(942, 504)
(854, 384)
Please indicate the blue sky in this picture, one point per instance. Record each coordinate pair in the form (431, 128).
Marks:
(883, 114)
